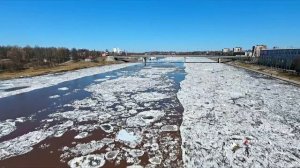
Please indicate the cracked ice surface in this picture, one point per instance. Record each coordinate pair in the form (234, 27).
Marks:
(37, 82)
(224, 105)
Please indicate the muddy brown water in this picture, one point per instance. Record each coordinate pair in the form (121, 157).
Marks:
(37, 105)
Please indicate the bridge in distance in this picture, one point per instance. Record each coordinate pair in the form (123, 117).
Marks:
(217, 57)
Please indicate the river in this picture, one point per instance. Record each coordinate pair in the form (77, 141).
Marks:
(165, 114)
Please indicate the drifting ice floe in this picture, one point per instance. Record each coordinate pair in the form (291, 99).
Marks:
(100, 80)
(144, 118)
(83, 149)
(155, 160)
(129, 138)
(135, 166)
(168, 128)
(63, 88)
(81, 135)
(111, 155)
(136, 152)
(6, 128)
(89, 161)
(107, 128)
(149, 96)
(78, 115)
(54, 96)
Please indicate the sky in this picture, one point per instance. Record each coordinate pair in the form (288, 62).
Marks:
(150, 25)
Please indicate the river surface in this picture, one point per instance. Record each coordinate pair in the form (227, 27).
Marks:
(169, 113)
(129, 116)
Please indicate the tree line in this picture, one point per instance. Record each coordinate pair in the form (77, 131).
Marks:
(18, 58)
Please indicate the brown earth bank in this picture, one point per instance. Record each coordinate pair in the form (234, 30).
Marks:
(292, 77)
(68, 66)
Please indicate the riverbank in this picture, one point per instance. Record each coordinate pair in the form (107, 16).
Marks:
(69, 66)
(21, 85)
(276, 73)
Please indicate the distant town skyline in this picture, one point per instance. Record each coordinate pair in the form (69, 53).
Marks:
(150, 25)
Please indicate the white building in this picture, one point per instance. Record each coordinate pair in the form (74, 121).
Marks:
(237, 49)
(117, 50)
(226, 50)
(257, 50)
(248, 53)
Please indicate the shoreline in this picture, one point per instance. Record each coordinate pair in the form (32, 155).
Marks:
(22, 85)
(64, 67)
(284, 76)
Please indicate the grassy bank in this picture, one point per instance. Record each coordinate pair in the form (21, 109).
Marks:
(277, 73)
(48, 70)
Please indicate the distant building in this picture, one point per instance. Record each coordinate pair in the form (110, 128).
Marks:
(104, 54)
(117, 50)
(256, 50)
(286, 53)
(226, 50)
(237, 49)
(87, 60)
(281, 58)
(248, 53)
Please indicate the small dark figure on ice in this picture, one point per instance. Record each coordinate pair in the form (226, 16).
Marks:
(247, 148)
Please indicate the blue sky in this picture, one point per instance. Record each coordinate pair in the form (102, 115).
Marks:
(144, 25)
